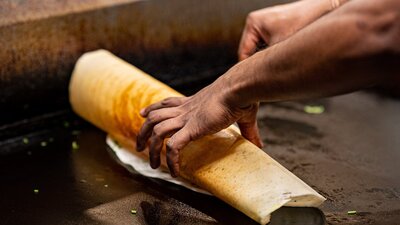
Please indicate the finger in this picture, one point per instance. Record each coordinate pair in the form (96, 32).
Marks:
(248, 43)
(166, 103)
(250, 132)
(174, 145)
(153, 118)
(248, 126)
(160, 132)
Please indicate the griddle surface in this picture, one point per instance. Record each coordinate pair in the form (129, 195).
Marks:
(86, 186)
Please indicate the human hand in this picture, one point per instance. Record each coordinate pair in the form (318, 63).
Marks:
(274, 24)
(186, 119)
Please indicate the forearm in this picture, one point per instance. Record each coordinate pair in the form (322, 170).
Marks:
(354, 47)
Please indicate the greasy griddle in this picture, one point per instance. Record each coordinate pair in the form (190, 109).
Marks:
(86, 186)
(350, 153)
(350, 159)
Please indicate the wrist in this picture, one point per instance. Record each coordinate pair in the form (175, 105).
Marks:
(239, 89)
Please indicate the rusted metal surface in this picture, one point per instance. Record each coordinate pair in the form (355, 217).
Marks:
(41, 42)
(20, 11)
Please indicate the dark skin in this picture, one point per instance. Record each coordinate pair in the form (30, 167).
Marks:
(354, 47)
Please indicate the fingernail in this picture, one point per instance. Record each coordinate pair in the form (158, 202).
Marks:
(153, 162)
(142, 111)
(175, 173)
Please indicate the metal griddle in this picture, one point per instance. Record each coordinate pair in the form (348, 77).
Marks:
(87, 186)
(349, 153)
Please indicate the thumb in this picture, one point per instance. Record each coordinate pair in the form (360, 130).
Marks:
(248, 42)
(249, 128)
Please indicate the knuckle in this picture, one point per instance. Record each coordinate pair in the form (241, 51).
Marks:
(251, 17)
(152, 117)
(158, 130)
(166, 101)
(170, 146)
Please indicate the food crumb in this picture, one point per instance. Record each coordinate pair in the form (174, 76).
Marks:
(36, 191)
(106, 185)
(133, 211)
(43, 144)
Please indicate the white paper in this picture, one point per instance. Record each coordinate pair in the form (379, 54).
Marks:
(143, 167)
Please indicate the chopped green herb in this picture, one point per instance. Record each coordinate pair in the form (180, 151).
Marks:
(314, 109)
(133, 211)
(352, 212)
(36, 191)
(43, 144)
(25, 140)
(66, 124)
(75, 145)
(75, 132)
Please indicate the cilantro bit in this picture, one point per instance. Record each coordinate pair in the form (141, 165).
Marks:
(352, 212)
(25, 140)
(314, 109)
(75, 145)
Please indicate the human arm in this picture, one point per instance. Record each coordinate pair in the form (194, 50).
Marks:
(274, 24)
(354, 47)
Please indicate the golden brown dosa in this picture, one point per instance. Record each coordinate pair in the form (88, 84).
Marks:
(109, 93)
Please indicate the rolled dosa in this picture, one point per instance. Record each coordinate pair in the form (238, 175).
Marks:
(109, 93)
